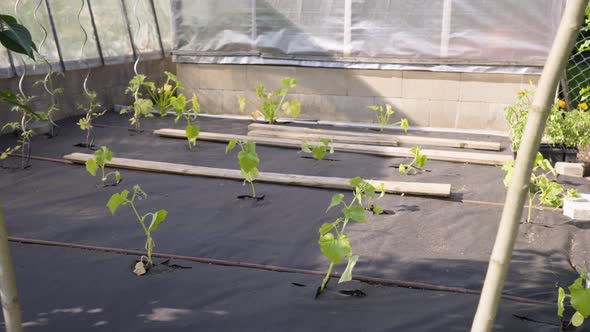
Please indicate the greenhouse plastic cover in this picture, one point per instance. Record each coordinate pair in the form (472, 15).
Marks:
(451, 35)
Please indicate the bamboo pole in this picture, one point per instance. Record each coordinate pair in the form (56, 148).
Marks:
(8, 293)
(508, 229)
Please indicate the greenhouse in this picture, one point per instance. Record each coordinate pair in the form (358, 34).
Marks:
(303, 165)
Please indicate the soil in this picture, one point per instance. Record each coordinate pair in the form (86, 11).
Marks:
(438, 241)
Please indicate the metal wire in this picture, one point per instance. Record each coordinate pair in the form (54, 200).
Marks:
(577, 72)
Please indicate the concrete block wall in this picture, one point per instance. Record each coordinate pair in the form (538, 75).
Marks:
(430, 99)
(109, 82)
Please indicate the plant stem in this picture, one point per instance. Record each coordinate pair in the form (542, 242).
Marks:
(557, 59)
(147, 233)
(10, 304)
(528, 219)
(253, 190)
(327, 277)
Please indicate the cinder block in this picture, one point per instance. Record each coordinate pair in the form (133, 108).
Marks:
(343, 108)
(321, 81)
(577, 208)
(443, 113)
(367, 83)
(491, 88)
(430, 85)
(497, 117)
(472, 115)
(269, 76)
(570, 169)
(222, 77)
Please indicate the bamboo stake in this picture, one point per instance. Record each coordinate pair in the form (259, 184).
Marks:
(508, 229)
(8, 293)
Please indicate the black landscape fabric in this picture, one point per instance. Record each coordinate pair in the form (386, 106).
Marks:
(428, 240)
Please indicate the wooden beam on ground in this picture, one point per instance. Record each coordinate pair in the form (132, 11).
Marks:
(384, 140)
(411, 188)
(403, 139)
(384, 151)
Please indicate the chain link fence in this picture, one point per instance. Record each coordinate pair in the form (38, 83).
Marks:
(577, 75)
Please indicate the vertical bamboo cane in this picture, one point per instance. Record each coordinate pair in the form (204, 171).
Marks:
(8, 294)
(508, 229)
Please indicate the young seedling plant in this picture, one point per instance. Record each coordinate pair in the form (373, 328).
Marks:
(101, 157)
(154, 219)
(272, 103)
(20, 104)
(318, 150)
(383, 116)
(85, 123)
(164, 95)
(179, 105)
(417, 163)
(548, 192)
(142, 107)
(579, 298)
(333, 242)
(248, 160)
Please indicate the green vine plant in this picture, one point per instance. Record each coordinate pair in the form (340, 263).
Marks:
(333, 242)
(417, 163)
(141, 107)
(48, 84)
(318, 150)
(90, 113)
(248, 160)
(579, 299)
(100, 158)
(383, 115)
(163, 96)
(189, 115)
(272, 103)
(548, 192)
(154, 219)
(21, 105)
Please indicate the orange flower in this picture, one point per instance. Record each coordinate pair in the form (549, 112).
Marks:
(560, 103)
(583, 106)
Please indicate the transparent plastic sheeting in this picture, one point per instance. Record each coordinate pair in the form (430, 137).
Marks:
(447, 35)
(116, 25)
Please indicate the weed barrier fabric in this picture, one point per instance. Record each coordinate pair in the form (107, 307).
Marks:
(427, 240)
(65, 289)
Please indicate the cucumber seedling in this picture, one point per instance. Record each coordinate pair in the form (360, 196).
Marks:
(333, 242)
(154, 218)
(248, 160)
(318, 150)
(383, 115)
(141, 107)
(548, 192)
(179, 105)
(579, 298)
(417, 163)
(85, 123)
(101, 157)
(272, 103)
(163, 96)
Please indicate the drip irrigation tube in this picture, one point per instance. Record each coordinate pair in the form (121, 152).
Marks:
(373, 280)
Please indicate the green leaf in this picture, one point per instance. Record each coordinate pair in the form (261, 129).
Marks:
(305, 146)
(117, 177)
(242, 103)
(421, 161)
(231, 145)
(335, 249)
(326, 228)
(403, 169)
(577, 319)
(195, 104)
(289, 82)
(157, 219)
(347, 274)
(116, 200)
(355, 182)
(292, 108)
(179, 103)
(560, 298)
(248, 161)
(580, 297)
(336, 200)
(91, 167)
(16, 37)
(404, 125)
(377, 209)
(192, 132)
(319, 152)
(355, 212)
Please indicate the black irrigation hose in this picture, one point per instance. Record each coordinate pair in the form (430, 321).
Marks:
(373, 280)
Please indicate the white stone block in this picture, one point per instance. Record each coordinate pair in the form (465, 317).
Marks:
(577, 208)
(570, 169)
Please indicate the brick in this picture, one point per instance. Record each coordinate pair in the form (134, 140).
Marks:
(367, 83)
(430, 85)
(577, 208)
(570, 169)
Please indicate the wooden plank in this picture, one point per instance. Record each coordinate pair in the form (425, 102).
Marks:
(412, 188)
(383, 141)
(403, 139)
(384, 151)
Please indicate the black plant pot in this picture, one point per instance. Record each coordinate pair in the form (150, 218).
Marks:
(558, 153)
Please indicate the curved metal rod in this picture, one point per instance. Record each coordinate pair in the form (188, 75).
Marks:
(84, 85)
(45, 32)
(139, 25)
